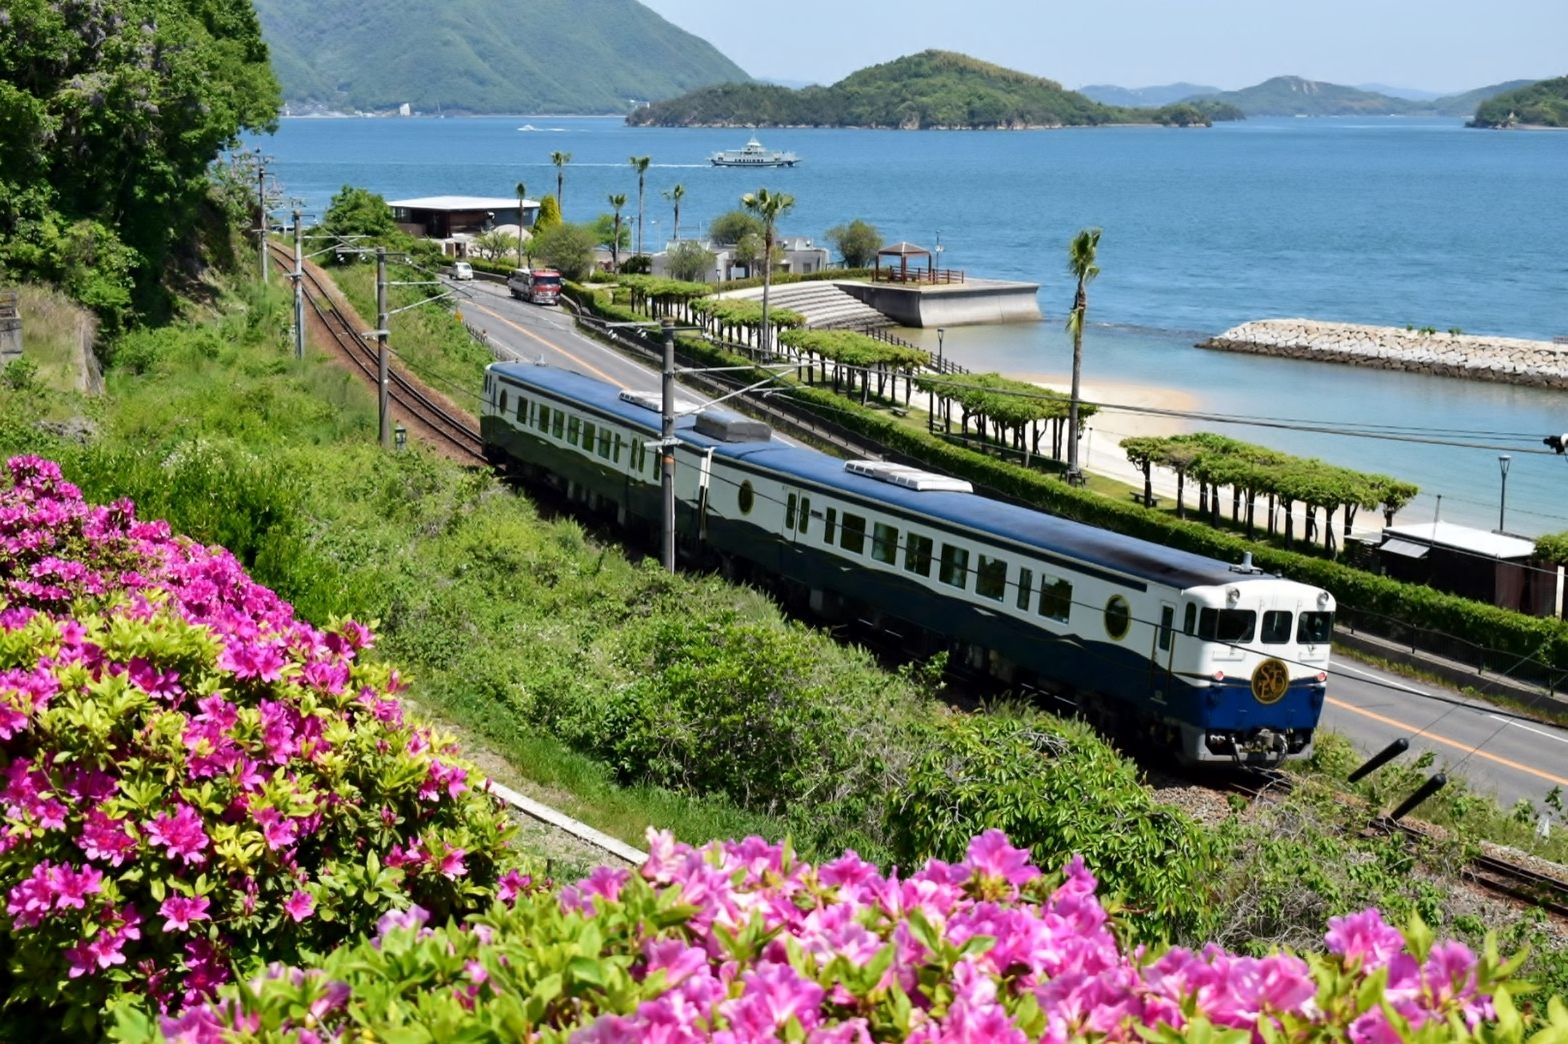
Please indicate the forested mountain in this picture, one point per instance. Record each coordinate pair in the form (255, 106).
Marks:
(1137, 97)
(925, 90)
(1296, 96)
(1543, 104)
(474, 56)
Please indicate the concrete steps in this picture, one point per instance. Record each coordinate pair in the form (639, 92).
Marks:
(824, 305)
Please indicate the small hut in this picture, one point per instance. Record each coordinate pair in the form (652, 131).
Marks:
(903, 251)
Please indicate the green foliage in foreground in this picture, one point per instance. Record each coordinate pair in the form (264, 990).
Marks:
(1543, 104)
(109, 117)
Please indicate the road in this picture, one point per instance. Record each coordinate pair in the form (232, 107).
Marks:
(1498, 752)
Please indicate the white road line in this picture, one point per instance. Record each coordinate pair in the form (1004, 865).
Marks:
(1379, 678)
(1527, 728)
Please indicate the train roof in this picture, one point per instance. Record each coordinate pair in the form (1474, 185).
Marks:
(1049, 533)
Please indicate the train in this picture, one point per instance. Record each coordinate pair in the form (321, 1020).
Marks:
(1207, 661)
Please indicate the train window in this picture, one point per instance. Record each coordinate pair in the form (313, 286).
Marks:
(1056, 598)
(789, 511)
(853, 536)
(917, 554)
(615, 454)
(588, 433)
(1276, 628)
(1025, 587)
(955, 566)
(573, 426)
(604, 443)
(1314, 628)
(503, 402)
(827, 526)
(1189, 619)
(522, 409)
(745, 498)
(884, 543)
(558, 423)
(805, 514)
(1118, 617)
(991, 578)
(1167, 624)
(544, 419)
(1227, 625)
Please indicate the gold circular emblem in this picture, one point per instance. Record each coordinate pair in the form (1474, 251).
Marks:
(1269, 681)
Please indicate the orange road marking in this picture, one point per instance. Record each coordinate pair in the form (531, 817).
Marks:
(1516, 766)
(548, 344)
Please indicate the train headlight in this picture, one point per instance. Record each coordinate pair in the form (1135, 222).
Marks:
(1322, 677)
(1323, 599)
(1232, 596)
(1219, 676)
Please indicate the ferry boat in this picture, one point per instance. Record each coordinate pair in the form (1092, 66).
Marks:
(753, 155)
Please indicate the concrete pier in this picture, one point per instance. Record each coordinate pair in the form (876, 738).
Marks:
(950, 304)
(1509, 360)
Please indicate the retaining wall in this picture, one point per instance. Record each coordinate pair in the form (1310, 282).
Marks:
(1511, 360)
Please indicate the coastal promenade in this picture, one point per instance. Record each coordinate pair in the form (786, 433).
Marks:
(1509, 360)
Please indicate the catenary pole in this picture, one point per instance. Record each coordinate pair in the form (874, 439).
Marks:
(667, 450)
(261, 212)
(299, 291)
(384, 405)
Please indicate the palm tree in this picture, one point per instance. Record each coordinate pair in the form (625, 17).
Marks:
(560, 159)
(640, 165)
(522, 191)
(617, 201)
(675, 195)
(1080, 263)
(769, 206)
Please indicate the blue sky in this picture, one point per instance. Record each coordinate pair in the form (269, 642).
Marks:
(1441, 45)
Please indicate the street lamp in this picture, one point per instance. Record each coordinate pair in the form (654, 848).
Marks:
(1503, 461)
(938, 249)
(940, 333)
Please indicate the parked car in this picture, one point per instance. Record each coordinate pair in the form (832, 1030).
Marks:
(462, 270)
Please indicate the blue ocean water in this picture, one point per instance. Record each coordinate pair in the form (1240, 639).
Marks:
(1393, 221)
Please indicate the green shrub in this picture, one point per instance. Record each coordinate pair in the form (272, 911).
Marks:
(1057, 789)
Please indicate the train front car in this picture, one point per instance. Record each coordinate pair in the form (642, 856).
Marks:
(1249, 665)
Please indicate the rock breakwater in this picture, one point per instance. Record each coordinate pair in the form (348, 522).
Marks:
(1510, 360)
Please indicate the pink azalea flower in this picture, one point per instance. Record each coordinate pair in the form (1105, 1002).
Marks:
(179, 911)
(181, 835)
(299, 906)
(1363, 938)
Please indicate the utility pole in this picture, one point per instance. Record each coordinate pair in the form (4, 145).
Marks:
(383, 400)
(261, 211)
(667, 450)
(299, 290)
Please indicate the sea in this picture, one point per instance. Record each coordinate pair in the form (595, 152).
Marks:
(1393, 221)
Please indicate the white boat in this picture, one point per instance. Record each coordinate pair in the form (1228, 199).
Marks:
(753, 155)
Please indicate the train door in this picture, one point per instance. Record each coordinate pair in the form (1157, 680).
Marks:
(1163, 653)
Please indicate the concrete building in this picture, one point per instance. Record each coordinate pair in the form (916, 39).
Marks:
(454, 221)
(798, 254)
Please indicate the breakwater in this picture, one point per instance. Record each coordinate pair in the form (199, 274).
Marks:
(1509, 360)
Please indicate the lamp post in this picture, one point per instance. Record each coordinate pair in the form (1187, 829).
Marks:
(940, 333)
(1503, 461)
(938, 249)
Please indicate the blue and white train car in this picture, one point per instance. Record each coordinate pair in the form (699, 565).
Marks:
(1210, 661)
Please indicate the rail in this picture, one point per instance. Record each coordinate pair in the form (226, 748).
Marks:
(923, 275)
(406, 394)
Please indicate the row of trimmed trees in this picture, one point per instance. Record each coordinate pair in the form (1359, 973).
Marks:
(1005, 411)
(1253, 473)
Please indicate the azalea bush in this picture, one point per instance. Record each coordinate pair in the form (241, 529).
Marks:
(741, 941)
(194, 779)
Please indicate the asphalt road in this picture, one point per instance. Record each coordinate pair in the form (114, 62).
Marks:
(1497, 751)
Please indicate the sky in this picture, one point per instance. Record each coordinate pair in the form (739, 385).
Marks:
(1438, 45)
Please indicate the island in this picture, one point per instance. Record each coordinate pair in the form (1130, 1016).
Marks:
(929, 90)
(1543, 104)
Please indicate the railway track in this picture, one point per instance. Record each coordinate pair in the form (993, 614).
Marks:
(1495, 874)
(409, 399)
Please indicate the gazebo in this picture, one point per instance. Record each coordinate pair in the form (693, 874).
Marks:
(902, 251)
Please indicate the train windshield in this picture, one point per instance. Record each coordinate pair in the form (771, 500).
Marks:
(1314, 628)
(548, 281)
(1227, 625)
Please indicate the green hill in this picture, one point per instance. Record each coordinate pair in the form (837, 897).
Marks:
(925, 90)
(1465, 104)
(1543, 104)
(1295, 96)
(474, 56)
